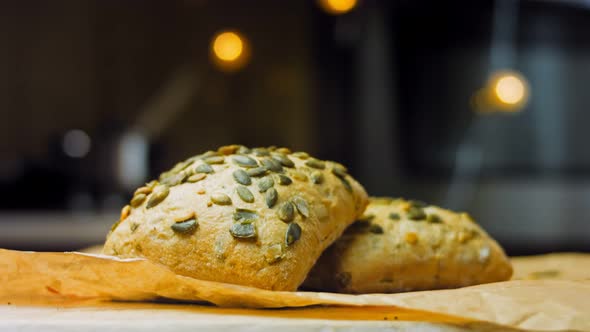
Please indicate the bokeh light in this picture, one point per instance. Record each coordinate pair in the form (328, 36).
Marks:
(510, 89)
(337, 7)
(229, 50)
(76, 143)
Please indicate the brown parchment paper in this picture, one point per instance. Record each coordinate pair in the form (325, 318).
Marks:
(526, 304)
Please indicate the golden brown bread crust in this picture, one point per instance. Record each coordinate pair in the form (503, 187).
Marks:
(188, 229)
(402, 245)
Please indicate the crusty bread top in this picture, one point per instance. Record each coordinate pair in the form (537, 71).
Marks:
(259, 217)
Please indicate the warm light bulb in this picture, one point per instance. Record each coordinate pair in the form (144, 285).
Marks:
(510, 89)
(228, 46)
(337, 7)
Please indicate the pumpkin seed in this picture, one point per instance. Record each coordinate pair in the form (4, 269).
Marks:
(258, 171)
(284, 180)
(272, 165)
(394, 216)
(125, 211)
(243, 150)
(220, 199)
(286, 212)
(196, 177)
(214, 160)
(242, 177)
(317, 177)
(260, 152)
(204, 168)
(284, 150)
(185, 227)
(245, 215)
(299, 176)
(243, 230)
(346, 184)
(228, 149)
(158, 195)
(152, 184)
(300, 155)
(244, 161)
(271, 197)
(301, 206)
(180, 166)
(174, 179)
(137, 200)
(274, 253)
(245, 194)
(293, 233)
(209, 154)
(339, 170)
(315, 163)
(375, 229)
(415, 213)
(143, 190)
(265, 183)
(434, 218)
(284, 160)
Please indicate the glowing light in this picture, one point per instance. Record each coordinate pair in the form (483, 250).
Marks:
(228, 46)
(229, 50)
(337, 7)
(76, 143)
(510, 89)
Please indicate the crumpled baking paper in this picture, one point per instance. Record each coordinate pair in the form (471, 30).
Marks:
(541, 304)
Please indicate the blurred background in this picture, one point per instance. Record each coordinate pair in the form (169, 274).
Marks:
(479, 106)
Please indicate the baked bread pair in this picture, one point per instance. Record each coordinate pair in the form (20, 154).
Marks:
(262, 217)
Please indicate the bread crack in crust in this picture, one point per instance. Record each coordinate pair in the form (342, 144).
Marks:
(257, 217)
(400, 245)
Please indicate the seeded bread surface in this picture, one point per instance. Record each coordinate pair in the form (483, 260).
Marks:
(401, 245)
(257, 217)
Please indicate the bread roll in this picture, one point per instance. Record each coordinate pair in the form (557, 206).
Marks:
(402, 245)
(257, 217)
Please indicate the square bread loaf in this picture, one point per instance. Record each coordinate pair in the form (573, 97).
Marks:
(257, 217)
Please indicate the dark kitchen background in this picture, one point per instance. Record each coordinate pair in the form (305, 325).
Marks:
(482, 106)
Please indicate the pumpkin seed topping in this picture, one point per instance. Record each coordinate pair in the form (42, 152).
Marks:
(272, 165)
(284, 160)
(143, 190)
(315, 163)
(245, 215)
(175, 179)
(137, 200)
(375, 229)
(293, 233)
(245, 194)
(260, 152)
(346, 184)
(214, 160)
(125, 211)
(416, 213)
(158, 195)
(274, 253)
(284, 180)
(243, 230)
(299, 176)
(152, 184)
(243, 150)
(265, 183)
(185, 227)
(339, 170)
(220, 199)
(271, 196)
(228, 149)
(301, 206)
(301, 155)
(242, 177)
(394, 216)
(317, 177)
(196, 177)
(286, 212)
(204, 168)
(244, 161)
(418, 204)
(255, 172)
(284, 150)
(434, 218)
